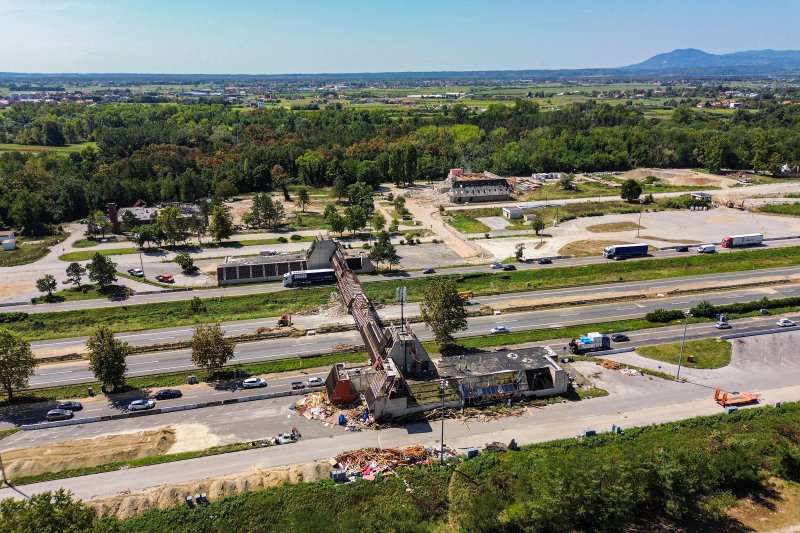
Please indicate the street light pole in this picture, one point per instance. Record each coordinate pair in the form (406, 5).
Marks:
(639, 225)
(683, 343)
(441, 442)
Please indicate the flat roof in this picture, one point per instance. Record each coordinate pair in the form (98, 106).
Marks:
(475, 364)
(264, 259)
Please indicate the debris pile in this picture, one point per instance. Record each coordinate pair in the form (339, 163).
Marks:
(334, 308)
(631, 372)
(368, 462)
(315, 406)
(281, 438)
(610, 365)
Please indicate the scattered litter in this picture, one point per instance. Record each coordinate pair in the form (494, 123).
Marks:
(631, 372)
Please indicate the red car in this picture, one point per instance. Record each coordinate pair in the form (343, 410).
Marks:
(165, 278)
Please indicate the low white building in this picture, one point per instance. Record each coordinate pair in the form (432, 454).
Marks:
(512, 213)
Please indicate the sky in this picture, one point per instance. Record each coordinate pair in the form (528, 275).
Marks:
(315, 36)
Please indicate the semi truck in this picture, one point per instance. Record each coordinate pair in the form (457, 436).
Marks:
(592, 342)
(623, 251)
(309, 277)
(751, 239)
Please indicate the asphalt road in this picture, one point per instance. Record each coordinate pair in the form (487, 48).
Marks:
(176, 360)
(392, 312)
(260, 288)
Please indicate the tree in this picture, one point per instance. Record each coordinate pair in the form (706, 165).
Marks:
(107, 356)
(280, 180)
(48, 284)
(330, 211)
(519, 251)
(537, 224)
(339, 187)
(443, 310)
(399, 205)
(97, 223)
(303, 199)
(378, 221)
(221, 225)
(356, 218)
(225, 189)
(186, 262)
(338, 224)
(102, 270)
(210, 349)
(631, 190)
(384, 251)
(17, 362)
(171, 223)
(75, 272)
(567, 182)
(129, 221)
(47, 512)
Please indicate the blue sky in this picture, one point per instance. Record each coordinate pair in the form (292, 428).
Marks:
(291, 36)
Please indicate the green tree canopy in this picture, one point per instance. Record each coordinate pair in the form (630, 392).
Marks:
(102, 270)
(210, 349)
(17, 362)
(442, 309)
(220, 226)
(107, 357)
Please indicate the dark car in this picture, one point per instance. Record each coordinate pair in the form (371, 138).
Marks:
(619, 337)
(59, 414)
(545, 261)
(681, 248)
(508, 268)
(70, 405)
(168, 394)
(428, 271)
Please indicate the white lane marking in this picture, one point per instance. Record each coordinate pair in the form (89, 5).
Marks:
(54, 373)
(143, 363)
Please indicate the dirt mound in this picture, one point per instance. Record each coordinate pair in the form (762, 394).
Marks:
(613, 227)
(679, 176)
(88, 452)
(124, 506)
(587, 248)
(333, 309)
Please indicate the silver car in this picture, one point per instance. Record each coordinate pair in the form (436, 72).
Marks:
(141, 405)
(254, 383)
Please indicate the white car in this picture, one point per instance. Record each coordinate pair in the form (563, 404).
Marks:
(722, 325)
(254, 383)
(496, 266)
(314, 382)
(499, 329)
(785, 322)
(138, 272)
(141, 405)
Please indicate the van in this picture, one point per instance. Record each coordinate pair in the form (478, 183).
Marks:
(706, 249)
(314, 382)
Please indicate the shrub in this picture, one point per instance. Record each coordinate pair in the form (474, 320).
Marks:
(704, 309)
(419, 241)
(16, 316)
(366, 246)
(282, 239)
(296, 237)
(664, 315)
(402, 241)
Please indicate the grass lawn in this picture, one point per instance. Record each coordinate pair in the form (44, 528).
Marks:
(6, 432)
(8, 147)
(707, 353)
(613, 226)
(465, 221)
(86, 255)
(85, 292)
(85, 243)
(781, 209)
(29, 250)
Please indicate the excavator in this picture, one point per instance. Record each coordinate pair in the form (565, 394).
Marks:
(285, 320)
(734, 204)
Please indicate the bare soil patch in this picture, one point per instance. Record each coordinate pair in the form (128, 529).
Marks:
(678, 176)
(614, 226)
(780, 513)
(675, 241)
(587, 248)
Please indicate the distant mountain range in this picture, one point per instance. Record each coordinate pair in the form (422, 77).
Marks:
(681, 63)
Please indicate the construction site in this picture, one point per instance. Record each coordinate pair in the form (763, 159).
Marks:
(402, 379)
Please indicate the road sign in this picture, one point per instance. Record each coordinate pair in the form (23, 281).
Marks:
(400, 294)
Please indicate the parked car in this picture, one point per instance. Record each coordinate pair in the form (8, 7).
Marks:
(254, 383)
(428, 271)
(167, 394)
(298, 385)
(70, 405)
(681, 248)
(508, 268)
(141, 405)
(785, 322)
(138, 272)
(545, 261)
(58, 414)
(499, 329)
(496, 265)
(314, 382)
(619, 337)
(722, 325)
(165, 278)
(706, 249)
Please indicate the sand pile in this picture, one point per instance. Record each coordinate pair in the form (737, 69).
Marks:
(334, 308)
(127, 505)
(88, 452)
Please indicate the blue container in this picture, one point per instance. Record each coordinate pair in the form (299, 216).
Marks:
(730, 409)
(472, 452)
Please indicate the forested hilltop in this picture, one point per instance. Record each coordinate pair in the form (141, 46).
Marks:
(173, 152)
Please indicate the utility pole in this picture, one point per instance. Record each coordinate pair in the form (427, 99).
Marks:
(441, 442)
(639, 225)
(687, 314)
(400, 296)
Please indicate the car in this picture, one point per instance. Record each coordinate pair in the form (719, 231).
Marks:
(619, 337)
(785, 322)
(681, 248)
(165, 278)
(499, 329)
(167, 394)
(298, 385)
(545, 261)
(138, 272)
(508, 268)
(70, 405)
(141, 405)
(254, 383)
(314, 382)
(722, 325)
(496, 266)
(428, 271)
(58, 414)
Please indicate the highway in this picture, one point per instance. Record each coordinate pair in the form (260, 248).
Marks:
(392, 312)
(261, 288)
(75, 372)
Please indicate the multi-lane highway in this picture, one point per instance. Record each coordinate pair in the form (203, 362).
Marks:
(259, 288)
(178, 360)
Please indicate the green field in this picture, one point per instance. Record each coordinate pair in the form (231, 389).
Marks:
(29, 250)
(707, 353)
(792, 209)
(5, 147)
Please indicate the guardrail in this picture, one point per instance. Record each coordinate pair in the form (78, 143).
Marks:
(170, 409)
(759, 332)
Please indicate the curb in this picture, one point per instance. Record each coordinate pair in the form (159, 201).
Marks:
(757, 333)
(169, 409)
